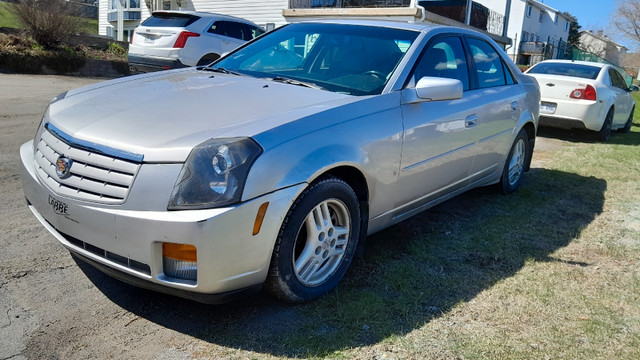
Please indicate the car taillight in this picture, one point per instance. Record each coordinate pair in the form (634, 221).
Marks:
(132, 33)
(588, 93)
(182, 39)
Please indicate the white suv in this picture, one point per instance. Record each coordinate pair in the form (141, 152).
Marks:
(174, 39)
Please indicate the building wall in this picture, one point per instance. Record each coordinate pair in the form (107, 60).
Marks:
(259, 11)
(600, 45)
(539, 26)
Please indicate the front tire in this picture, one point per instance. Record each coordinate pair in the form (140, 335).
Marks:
(515, 165)
(316, 243)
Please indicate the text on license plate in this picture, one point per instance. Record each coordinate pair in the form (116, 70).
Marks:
(547, 108)
(58, 206)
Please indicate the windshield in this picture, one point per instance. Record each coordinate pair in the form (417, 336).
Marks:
(566, 69)
(349, 59)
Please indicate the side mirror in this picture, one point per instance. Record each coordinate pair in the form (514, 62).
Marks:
(435, 89)
(634, 88)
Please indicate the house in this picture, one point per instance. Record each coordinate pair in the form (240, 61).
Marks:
(602, 46)
(539, 32)
(118, 18)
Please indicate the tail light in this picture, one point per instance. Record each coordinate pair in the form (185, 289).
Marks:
(588, 93)
(182, 38)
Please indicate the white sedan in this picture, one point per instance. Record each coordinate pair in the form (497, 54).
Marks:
(583, 95)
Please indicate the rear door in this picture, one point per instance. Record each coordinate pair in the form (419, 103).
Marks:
(501, 100)
(230, 34)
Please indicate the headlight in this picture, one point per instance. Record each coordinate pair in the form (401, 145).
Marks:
(214, 174)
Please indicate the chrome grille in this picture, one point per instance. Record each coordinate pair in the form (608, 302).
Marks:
(94, 176)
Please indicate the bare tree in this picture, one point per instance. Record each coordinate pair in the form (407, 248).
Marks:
(626, 19)
(48, 21)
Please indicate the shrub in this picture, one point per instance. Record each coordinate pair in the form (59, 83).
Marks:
(48, 21)
(116, 49)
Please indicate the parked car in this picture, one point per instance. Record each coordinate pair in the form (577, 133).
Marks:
(583, 95)
(175, 39)
(271, 166)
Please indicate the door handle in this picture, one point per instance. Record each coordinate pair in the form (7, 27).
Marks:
(471, 121)
(514, 106)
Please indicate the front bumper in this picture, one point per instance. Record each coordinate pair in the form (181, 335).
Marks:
(129, 242)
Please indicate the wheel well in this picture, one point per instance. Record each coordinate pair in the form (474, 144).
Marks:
(208, 58)
(531, 134)
(356, 180)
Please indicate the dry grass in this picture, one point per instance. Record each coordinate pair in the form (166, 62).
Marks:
(551, 272)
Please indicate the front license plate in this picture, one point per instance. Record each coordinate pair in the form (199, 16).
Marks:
(59, 207)
(547, 108)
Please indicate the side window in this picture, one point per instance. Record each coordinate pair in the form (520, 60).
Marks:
(227, 28)
(489, 67)
(617, 80)
(254, 32)
(443, 58)
(508, 75)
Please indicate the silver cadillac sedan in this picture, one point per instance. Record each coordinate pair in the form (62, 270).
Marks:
(269, 167)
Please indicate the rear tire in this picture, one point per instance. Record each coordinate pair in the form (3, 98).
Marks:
(515, 165)
(316, 243)
(605, 132)
(627, 126)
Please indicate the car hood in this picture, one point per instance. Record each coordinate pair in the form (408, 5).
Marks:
(162, 116)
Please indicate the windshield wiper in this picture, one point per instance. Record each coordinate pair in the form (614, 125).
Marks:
(285, 80)
(216, 69)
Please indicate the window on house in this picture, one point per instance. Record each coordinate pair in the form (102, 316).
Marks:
(529, 10)
(566, 26)
(525, 36)
(556, 18)
(541, 17)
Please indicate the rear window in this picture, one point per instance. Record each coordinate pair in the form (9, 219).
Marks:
(566, 69)
(170, 20)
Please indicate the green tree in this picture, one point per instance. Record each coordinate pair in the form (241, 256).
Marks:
(574, 30)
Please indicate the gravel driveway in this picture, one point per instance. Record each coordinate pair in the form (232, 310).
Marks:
(54, 308)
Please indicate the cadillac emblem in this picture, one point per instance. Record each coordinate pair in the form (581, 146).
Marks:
(63, 167)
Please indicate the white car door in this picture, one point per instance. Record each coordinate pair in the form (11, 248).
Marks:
(623, 102)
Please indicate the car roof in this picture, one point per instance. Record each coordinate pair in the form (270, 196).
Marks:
(203, 14)
(577, 62)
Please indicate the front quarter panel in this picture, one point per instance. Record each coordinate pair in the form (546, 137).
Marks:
(365, 135)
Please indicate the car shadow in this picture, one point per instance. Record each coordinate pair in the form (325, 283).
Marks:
(411, 273)
(586, 136)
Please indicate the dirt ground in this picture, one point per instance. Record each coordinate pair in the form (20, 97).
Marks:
(54, 308)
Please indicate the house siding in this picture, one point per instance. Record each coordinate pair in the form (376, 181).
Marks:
(260, 12)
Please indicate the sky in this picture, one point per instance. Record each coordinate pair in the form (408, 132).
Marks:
(592, 15)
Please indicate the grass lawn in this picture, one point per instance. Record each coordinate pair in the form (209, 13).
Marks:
(550, 272)
(8, 19)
